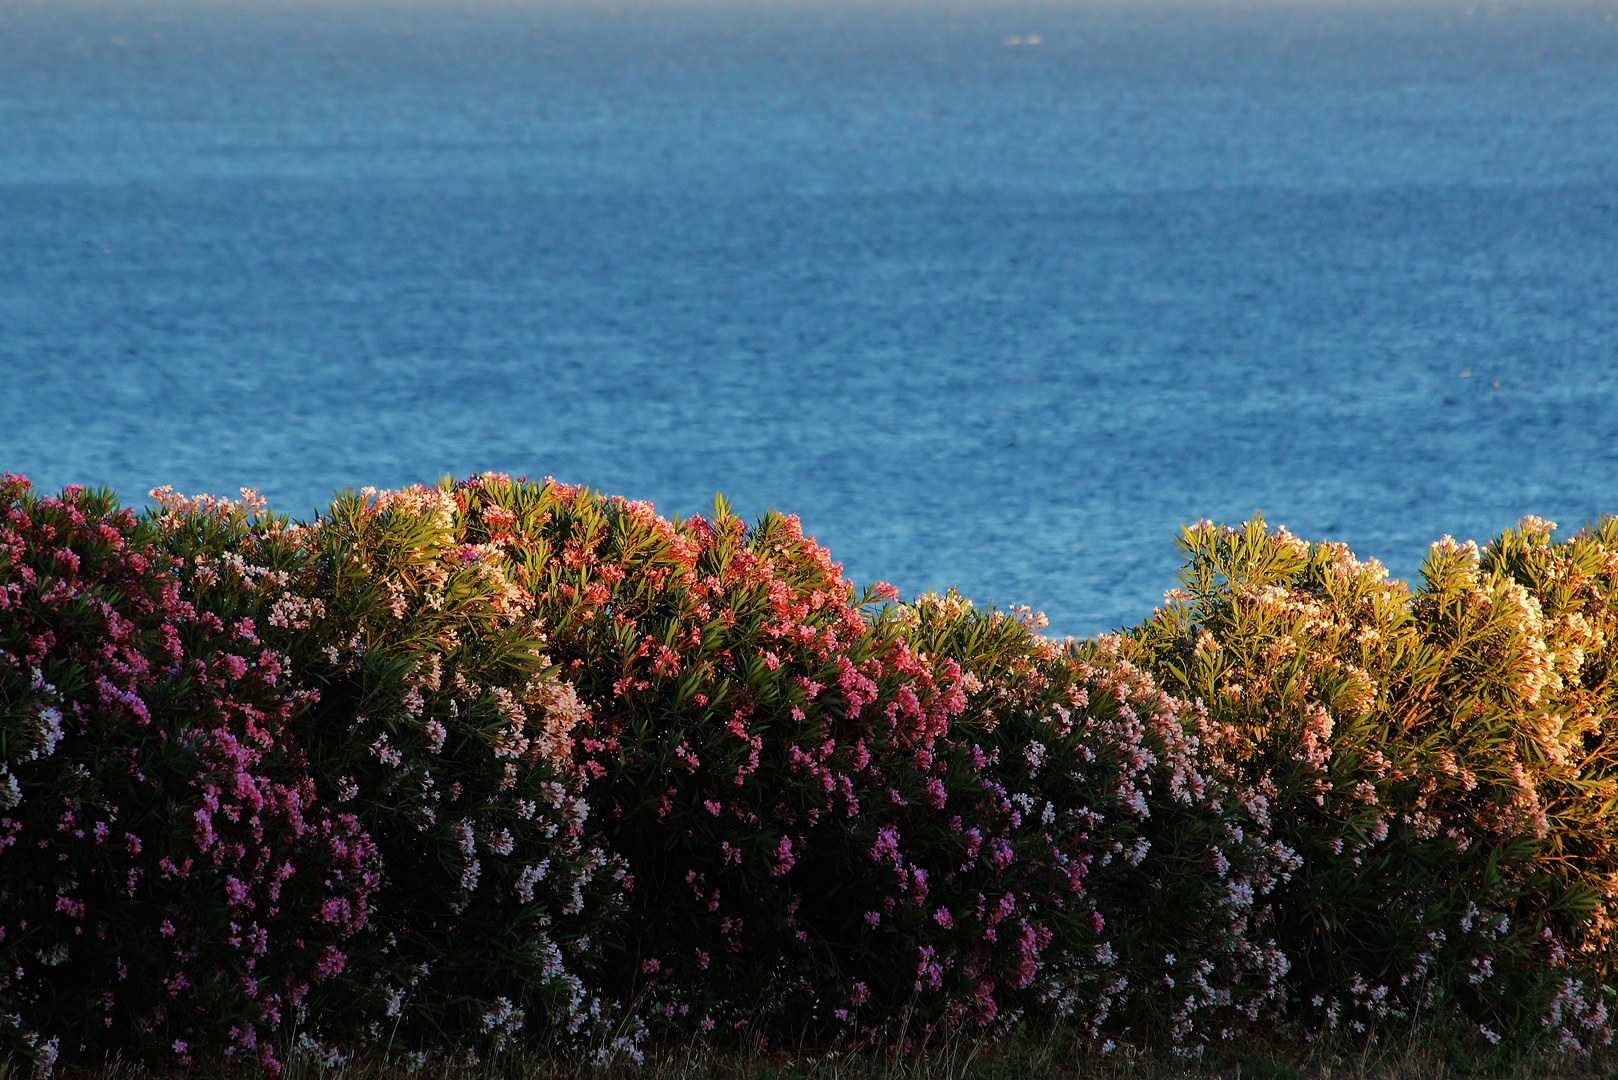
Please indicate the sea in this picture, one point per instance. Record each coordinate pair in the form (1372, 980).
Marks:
(992, 295)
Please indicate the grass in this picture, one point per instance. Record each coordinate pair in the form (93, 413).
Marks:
(1024, 1054)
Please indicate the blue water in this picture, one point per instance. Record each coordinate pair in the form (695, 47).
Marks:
(985, 311)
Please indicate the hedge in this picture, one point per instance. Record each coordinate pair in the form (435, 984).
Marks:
(496, 766)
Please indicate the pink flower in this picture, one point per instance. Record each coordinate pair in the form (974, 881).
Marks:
(784, 858)
(331, 963)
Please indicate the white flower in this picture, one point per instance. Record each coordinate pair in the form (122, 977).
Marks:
(530, 875)
(47, 732)
(385, 753)
(45, 1054)
(436, 734)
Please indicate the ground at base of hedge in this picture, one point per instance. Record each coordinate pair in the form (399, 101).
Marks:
(962, 1059)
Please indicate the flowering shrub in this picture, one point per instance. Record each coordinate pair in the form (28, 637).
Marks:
(166, 877)
(1125, 837)
(1414, 750)
(754, 723)
(432, 716)
(1569, 738)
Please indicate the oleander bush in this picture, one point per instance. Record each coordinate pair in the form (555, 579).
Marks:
(170, 880)
(431, 714)
(1146, 863)
(500, 767)
(752, 724)
(1441, 762)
